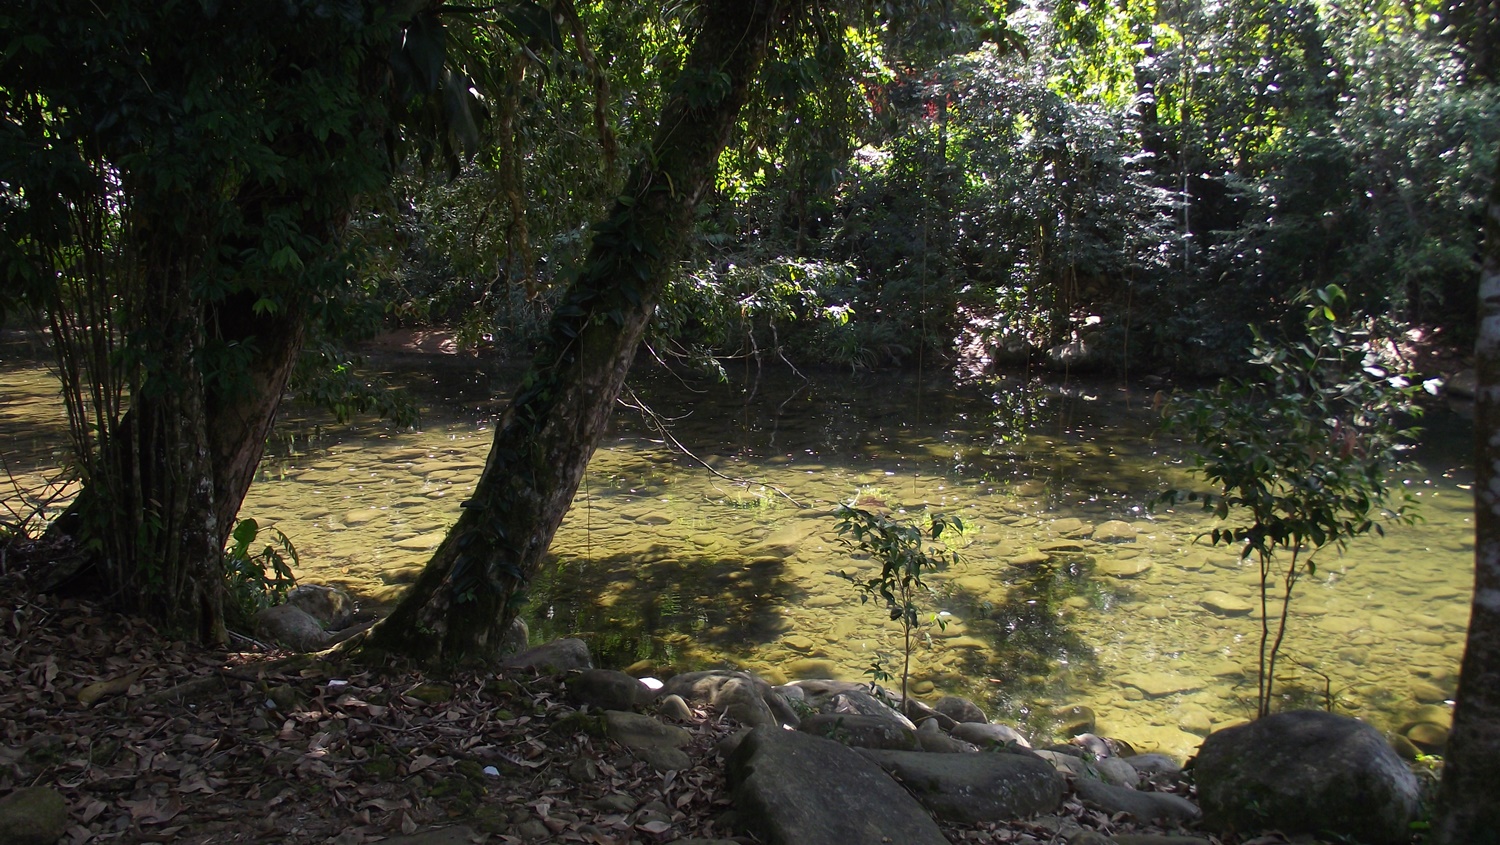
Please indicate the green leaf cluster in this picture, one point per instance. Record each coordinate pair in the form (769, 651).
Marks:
(906, 552)
(1300, 454)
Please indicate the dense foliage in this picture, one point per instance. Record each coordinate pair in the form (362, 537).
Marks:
(1127, 185)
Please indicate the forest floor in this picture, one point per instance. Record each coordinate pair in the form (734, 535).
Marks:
(154, 740)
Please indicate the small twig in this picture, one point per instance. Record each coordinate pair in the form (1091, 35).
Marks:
(656, 423)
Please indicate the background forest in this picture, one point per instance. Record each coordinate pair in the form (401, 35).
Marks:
(1126, 184)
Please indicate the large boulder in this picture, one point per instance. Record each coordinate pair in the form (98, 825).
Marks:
(1306, 772)
(792, 788)
(331, 606)
(608, 689)
(1145, 806)
(557, 656)
(972, 788)
(862, 731)
(987, 734)
(292, 627)
(959, 709)
(658, 744)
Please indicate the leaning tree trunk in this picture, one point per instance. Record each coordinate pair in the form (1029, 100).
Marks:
(239, 422)
(1468, 810)
(464, 600)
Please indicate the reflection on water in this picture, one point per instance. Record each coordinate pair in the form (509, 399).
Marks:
(1069, 591)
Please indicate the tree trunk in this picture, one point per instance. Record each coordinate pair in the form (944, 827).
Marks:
(237, 425)
(466, 597)
(1468, 811)
(239, 421)
(152, 510)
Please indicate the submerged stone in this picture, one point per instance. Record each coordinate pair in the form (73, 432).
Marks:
(1225, 604)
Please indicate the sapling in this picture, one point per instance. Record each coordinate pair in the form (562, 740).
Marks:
(901, 548)
(1300, 455)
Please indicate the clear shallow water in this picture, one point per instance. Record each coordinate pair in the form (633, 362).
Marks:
(664, 561)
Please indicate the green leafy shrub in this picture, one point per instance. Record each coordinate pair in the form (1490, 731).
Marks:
(901, 547)
(1300, 455)
(259, 580)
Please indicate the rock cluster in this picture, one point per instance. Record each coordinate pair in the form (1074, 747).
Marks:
(844, 763)
(837, 762)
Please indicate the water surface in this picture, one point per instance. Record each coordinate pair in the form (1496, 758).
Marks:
(716, 545)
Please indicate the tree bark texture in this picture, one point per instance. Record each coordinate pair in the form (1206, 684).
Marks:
(465, 599)
(1468, 810)
(151, 513)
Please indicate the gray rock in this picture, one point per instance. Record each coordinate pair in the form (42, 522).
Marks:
(738, 695)
(1115, 770)
(517, 637)
(608, 689)
(1304, 772)
(970, 788)
(937, 742)
(986, 735)
(1153, 764)
(332, 607)
(1092, 744)
(922, 713)
(792, 788)
(959, 709)
(658, 744)
(1146, 806)
(675, 708)
(1065, 764)
(817, 690)
(861, 703)
(292, 627)
(33, 815)
(861, 731)
(557, 656)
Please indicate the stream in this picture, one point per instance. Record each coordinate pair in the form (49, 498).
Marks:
(721, 549)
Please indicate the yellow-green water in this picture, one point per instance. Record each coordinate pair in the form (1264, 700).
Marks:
(663, 560)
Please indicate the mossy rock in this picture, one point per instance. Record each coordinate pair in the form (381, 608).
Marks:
(578, 722)
(501, 688)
